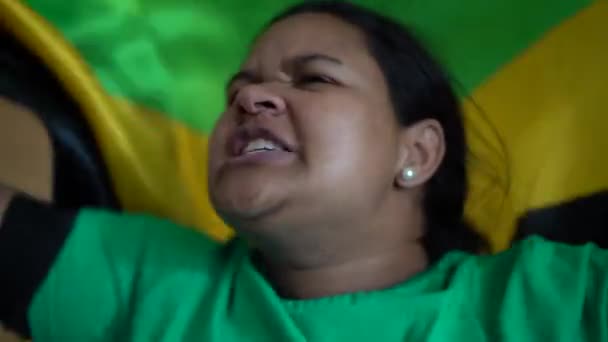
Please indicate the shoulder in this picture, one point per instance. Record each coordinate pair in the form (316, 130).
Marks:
(148, 245)
(160, 263)
(548, 289)
(534, 270)
(161, 258)
(546, 257)
(538, 261)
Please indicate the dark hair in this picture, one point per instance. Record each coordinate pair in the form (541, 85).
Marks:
(80, 177)
(419, 89)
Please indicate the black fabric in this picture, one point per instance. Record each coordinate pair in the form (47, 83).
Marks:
(578, 221)
(80, 175)
(31, 235)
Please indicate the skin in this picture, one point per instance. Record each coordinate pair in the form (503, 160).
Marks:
(335, 215)
(7, 336)
(25, 151)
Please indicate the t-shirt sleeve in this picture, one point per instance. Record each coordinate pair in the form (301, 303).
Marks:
(79, 276)
(577, 284)
(573, 289)
(542, 290)
(595, 312)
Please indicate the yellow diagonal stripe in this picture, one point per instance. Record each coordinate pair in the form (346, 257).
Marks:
(174, 158)
(549, 108)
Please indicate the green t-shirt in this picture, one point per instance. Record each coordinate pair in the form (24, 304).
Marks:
(137, 278)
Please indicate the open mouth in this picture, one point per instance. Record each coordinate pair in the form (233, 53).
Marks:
(256, 141)
(260, 145)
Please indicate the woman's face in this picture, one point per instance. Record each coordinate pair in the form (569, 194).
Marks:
(309, 134)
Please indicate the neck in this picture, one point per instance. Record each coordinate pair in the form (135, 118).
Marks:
(373, 250)
(365, 273)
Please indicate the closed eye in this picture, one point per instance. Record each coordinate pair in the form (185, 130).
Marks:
(314, 78)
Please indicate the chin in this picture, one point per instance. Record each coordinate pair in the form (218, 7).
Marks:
(238, 205)
(249, 191)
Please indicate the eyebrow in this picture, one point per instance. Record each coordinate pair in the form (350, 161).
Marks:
(251, 77)
(313, 57)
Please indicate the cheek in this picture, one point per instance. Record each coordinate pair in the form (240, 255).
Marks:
(348, 137)
(217, 140)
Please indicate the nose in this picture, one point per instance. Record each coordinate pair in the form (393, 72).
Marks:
(254, 99)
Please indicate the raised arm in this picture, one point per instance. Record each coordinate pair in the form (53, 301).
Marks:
(72, 275)
(32, 234)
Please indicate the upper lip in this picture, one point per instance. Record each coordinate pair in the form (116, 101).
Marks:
(245, 134)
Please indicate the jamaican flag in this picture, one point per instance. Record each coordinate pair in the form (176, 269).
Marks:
(533, 78)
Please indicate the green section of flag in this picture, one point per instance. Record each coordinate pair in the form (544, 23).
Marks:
(474, 38)
(175, 55)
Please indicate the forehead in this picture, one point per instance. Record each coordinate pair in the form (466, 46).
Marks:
(308, 33)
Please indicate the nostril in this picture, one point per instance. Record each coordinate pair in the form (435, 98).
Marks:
(267, 104)
(254, 99)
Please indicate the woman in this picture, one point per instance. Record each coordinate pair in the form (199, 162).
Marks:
(340, 162)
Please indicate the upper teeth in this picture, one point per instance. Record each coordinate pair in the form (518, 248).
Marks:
(260, 145)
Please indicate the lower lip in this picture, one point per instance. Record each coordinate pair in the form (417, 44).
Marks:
(277, 157)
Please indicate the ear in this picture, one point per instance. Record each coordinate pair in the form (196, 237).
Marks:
(422, 148)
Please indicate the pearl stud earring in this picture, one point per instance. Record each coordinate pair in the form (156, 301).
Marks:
(408, 174)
